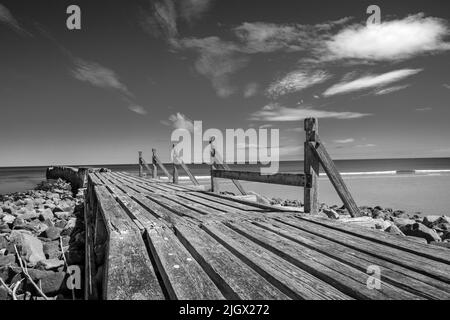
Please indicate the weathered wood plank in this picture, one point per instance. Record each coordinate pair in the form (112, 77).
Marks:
(293, 281)
(391, 273)
(289, 179)
(182, 275)
(425, 250)
(226, 201)
(128, 269)
(345, 278)
(234, 278)
(420, 264)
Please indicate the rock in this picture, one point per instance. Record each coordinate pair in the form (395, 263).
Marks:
(51, 282)
(52, 249)
(29, 214)
(61, 224)
(332, 214)
(4, 295)
(62, 215)
(46, 214)
(52, 233)
(38, 226)
(7, 260)
(430, 221)
(4, 228)
(8, 218)
(401, 222)
(382, 224)
(421, 231)
(71, 223)
(393, 229)
(50, 264)
(31, 247)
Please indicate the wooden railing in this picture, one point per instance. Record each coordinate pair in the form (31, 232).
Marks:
(315, 156)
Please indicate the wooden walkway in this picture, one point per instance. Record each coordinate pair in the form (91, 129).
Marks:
(147, 239)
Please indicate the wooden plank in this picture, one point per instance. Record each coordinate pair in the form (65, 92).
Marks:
(235, 279)
(226, 201)
(335, 178)
(437, 270)
(289, 179)
(391, 273)
(176, 207)
(293, 281)
(249, 203)
(425, 250)
(346, 279)
(182, 275)
(209, 203)
(128, 269)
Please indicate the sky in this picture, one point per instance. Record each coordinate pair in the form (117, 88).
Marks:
(137, 70)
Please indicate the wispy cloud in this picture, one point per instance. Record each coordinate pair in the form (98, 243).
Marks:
(343, 141)
(138, 109)
(98, 75)
(390, 40)
(367, 145)
(162, 18)
(276, 112)
(180, 121)
(446, 86)
(391, 89)
(8, 19)
(251, 90)
(296, 81)
(370, 81)
(217, 60)
(424, 109)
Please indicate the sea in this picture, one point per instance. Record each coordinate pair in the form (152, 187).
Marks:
(413, 185)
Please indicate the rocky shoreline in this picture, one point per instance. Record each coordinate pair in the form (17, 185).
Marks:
(42, 243)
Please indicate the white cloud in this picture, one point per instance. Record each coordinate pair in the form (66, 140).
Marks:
(447, 86)
(180, 121)
(8, 19)
(138, 109)
(98, 76)
(251, 90)
(390, 40)
(391, 89)
(296, 81)
(217, 60)
(276, 112)
(370, 81)
(368, 145)
(424, 109)
(349, 140)
(193, 9)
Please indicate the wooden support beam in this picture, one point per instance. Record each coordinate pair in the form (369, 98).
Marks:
(140, 163)
(180, 161)
(154, 165)
(217, 159)
(279, 178)
(175, 173)
(311, 168)
(335, 177)
(147, 166)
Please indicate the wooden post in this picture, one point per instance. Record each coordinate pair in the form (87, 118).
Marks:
(154, 167)
(214, 184)
(311, 167)
(175, 173)
(140, 163)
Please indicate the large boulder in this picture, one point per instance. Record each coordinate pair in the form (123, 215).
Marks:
(8, 260)
(46, 214)
(393, 229)
(421, 231)
(31, 247)
(332, 214)
(402, 222)
(51, 233)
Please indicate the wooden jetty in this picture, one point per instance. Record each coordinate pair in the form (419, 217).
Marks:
(149, 239)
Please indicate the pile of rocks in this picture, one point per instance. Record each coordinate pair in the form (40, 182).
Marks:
(433, 229)
(42, 229)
